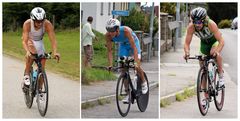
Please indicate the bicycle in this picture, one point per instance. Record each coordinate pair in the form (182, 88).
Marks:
(38, 85)
(127, 86)
(207, 76)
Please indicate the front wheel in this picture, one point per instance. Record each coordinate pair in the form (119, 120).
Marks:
(202, 92)
(219, 94)
(42, 93)
(142, 99)
(122, 91)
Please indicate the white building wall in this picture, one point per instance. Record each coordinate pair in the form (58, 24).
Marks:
(94, 10)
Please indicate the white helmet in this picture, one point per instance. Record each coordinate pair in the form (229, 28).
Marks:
(112, 25)
(38, 13)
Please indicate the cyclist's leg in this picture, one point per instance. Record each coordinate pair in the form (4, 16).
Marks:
(219, 63)
(29, 60)
(204, 50)
(218, 58)
(123, 51)
(28, 64)
(139, 69)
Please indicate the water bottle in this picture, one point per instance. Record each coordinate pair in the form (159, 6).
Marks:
(34, 75)
(135, 82)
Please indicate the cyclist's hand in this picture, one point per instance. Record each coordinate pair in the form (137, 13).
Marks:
(57, 56)
(186, 56)
(28, 54)
(109, 68)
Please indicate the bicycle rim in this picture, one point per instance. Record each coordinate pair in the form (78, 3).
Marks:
(203, 108)
(42, 94)
(142, 100)
(123, 108)
(219, 94)
(28, 94)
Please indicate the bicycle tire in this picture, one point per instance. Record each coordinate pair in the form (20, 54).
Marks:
(218, 104)
(28, 93)
(123, 109)
(42, 93)
(203, 110)
(142, 100)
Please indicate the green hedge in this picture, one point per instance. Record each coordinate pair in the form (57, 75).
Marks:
(224, 24)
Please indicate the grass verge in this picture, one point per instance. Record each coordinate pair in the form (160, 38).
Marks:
(68, 47)
(186, 94)
(90, 75)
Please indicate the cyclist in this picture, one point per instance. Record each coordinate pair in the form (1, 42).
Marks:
(212, 41)
(129, 46)
(32, 39)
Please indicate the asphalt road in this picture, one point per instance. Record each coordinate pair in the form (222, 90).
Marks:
(230, 52)
(110, 110)
(64, 94)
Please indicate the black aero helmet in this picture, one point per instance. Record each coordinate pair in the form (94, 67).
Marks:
(198, 13)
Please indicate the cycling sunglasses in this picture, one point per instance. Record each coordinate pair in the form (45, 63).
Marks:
(111, 29)
(198, 22)
(38, 21)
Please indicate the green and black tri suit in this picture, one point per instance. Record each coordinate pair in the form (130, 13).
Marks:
(207, 39)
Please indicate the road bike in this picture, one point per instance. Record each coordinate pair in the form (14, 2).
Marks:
(132, 87)
(208, 84)
(38, 85)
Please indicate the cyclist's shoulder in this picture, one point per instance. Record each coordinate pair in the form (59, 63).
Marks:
(27, 22)
(212, 25)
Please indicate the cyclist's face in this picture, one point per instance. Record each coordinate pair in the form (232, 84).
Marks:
(114, 33)
(198, 24)
(38, 23)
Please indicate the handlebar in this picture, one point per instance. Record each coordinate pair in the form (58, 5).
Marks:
(45, 56)
(201, 57)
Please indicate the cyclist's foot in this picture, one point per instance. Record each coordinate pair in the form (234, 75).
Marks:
(221, 81)
(144, 87)
(204, 103)
(126, 100)
(26, 81)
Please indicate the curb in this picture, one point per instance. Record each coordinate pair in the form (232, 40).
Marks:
(172, 97)
(96, 101)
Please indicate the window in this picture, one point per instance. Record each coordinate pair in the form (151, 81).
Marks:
(101, 9)
(109, 9)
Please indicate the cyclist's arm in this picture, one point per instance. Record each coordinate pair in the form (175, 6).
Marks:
(128, 34)
(25, 35)
(51, 35)
(217, 34)
(188, 39)
(109, 49)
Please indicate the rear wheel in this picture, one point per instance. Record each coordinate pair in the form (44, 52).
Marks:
(121, 93)
(28, 92)
(202, 92)
(42, 93)
(219, 94)
(142, 99)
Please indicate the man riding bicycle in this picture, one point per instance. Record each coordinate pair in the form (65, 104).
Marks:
(129, 46)
(212, 41)
(32, 39)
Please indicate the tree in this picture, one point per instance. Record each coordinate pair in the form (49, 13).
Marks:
(66, 15)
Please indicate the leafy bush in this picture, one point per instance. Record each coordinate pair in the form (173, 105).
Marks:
(224, 23)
